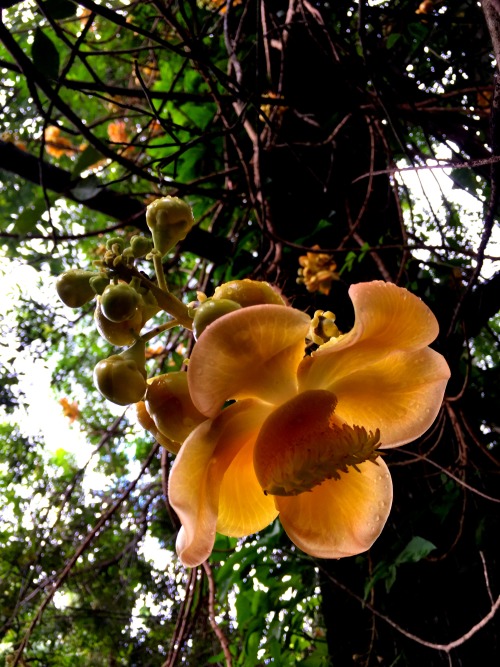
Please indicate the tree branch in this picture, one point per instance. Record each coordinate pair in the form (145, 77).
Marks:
(128, 210)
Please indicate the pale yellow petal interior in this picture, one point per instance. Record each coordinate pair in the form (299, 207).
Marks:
(243, 507)
(196, 476)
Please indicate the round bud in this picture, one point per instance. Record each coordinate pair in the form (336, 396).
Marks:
(209, 311)
(120, 380)
(119, 302)
(249, 293)
(149, 306)
(169, 404)
(118, 333)
(169, 220)
(140, 245)
(73, 287)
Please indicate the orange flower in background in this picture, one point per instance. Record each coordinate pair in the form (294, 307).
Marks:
(318, 271)
(56, 145)
(301, 440)
(117, 132)
(425, 7)
(152, 352)
(70, 410)
(155, 128)
(217, 5)
(272, 110)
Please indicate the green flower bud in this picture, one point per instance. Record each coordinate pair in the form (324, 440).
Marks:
(73, 287)
(115, 240)
(119, 302)
(140, 245)
(118, 333)
(99, 283)
(122, 377)
(249, 293)
(209, 311)
(169, 220)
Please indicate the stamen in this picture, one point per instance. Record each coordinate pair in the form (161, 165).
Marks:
(303, 443)
(323, 327)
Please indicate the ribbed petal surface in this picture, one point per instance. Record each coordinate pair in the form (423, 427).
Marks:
(250, 353)
(387, 318)
(401, 395)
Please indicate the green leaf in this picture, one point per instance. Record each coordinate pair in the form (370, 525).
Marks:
(86, 188)
(416, 549)
(30, 217)
(87, 158)
(45, 55)
(392, 39)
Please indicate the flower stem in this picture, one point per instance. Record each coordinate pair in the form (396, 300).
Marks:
(158, 330)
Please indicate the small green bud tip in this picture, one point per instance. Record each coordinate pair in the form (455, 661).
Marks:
(118, 333)
(209, 311)
(140, 246)
(169, 219)
(73, 287)
(115, 241)
(120, 380)
(119, 302)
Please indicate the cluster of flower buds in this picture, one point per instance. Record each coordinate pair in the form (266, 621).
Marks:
(317, 272)
(126, 300)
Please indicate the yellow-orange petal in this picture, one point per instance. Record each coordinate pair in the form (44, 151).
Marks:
(170, 406)
(387, 318)
(196, 483)
(250, 353)
(243, 506)
(340, 517)
(401, 395)
(146, 421)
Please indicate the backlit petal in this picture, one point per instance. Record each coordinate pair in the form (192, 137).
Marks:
(198, 472)
(340, 517)
(250, 353)
(243, 507)
(401, 395)
(387, 318)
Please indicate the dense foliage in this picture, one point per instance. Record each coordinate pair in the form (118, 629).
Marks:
(286, 125)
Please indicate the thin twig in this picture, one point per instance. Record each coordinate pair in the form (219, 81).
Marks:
(211, 614)
(83, 546)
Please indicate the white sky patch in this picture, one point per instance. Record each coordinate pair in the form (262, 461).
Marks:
(154, 553)
(429, 188)
(43, 416)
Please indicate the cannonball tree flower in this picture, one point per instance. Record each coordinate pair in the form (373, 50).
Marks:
(301, 438)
